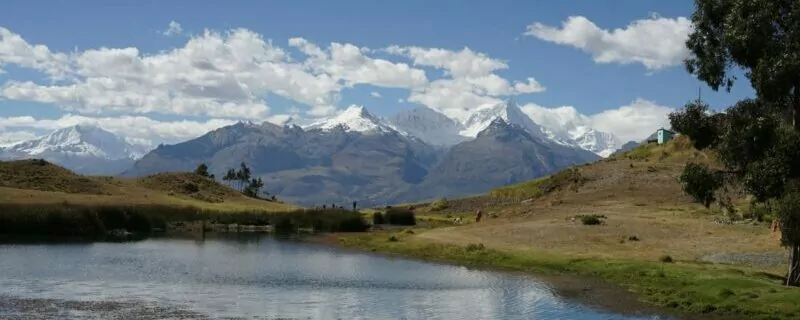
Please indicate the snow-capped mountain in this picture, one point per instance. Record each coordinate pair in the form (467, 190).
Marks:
(569, 125)
(429, 126)
(81, 148)
(563, 126)
(354, 118)
(510, 113)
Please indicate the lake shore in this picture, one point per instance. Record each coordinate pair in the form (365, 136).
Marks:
(678, 290)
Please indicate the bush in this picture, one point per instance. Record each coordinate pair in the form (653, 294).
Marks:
(94, 221)
(400, 217)
(700, 182)
(472, 247)
(440, 205)
(592, 219)
(665, 259)
(377, 218)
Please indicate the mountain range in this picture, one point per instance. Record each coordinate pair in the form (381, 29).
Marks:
(414, 155)
(85, 149)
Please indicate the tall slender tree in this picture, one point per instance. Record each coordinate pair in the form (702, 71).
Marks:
(756, 139)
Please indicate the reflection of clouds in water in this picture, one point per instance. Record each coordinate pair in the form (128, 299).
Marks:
(246, 278)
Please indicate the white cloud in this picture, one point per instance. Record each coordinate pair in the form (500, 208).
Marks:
(631, 122)
(463, 63)
(136, 128)
(375, 94)
(173, 28)
(470, 80)
(656, 42)
(227, 75)
(8, 138)
(15, 50)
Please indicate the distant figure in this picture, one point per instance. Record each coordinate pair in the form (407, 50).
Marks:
(333, 205)
(323, 207)
(776, 225)
(354, 206)
(478, 216)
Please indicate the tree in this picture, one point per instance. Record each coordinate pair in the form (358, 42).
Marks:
(243, 176)
(202, 170)
(230, 177)
(757, 138)
(254, 187)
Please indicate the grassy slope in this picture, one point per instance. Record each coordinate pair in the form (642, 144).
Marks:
(34, 182)
(639, 193)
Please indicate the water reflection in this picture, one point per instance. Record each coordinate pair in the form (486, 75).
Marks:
(246, 276)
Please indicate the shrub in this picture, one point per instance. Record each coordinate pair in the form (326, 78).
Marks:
(592, 219)
(401, 217)
(377, 218)
(472, 247)
(665, 259)
(440, 204)
(392, 239)
(700, 182)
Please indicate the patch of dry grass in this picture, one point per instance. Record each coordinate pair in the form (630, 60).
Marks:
(36, 182)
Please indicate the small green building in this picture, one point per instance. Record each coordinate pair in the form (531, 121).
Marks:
(664, 135)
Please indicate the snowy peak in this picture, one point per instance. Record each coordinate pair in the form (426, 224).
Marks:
(569, 125)
(429, 126)
(601, 143)
(511, 114)
(354, 118)
(79, 140)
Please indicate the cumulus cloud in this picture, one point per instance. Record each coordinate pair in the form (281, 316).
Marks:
(141, 129)
(375, 94)
(470, 80)
(226, 76)
(173, 29)
(655, 42)
(632, 122)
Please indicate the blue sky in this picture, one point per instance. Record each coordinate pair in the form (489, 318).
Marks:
(568, 75)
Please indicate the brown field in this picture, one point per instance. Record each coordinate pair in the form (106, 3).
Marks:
(35, 182)
(638, 192)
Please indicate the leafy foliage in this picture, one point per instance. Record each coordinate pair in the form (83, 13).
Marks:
(202, 170)
(700, 182)
(399, 216)
(758, 138)
(440, 204)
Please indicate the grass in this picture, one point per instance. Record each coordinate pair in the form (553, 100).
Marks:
(37, 182)
(699, 288)
(80, 221)
(651, 237)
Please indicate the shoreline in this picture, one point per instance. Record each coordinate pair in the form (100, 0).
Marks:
(585, 283)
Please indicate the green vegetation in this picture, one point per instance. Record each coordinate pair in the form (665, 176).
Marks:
(591, 219)
(81, 221)
(701, 288)
(241, 180)
(756, 139)
(400, 217)
(563, 180)
(439, 205)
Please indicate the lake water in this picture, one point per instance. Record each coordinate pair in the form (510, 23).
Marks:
(258, 278)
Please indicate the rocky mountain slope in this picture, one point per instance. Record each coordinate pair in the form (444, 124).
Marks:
(84, 149)
(357, 156)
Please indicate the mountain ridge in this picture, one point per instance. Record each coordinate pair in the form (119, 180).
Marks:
(86, 149)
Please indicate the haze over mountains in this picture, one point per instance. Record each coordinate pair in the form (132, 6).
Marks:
(354, 156)
(84, 149)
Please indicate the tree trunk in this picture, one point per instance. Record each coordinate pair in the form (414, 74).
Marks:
(793, 276)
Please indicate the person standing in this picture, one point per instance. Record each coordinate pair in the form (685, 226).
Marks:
(478, 216)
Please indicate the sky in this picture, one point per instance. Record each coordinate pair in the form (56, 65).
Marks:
(168, 71)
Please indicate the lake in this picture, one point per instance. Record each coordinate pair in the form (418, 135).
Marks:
(258, 277)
